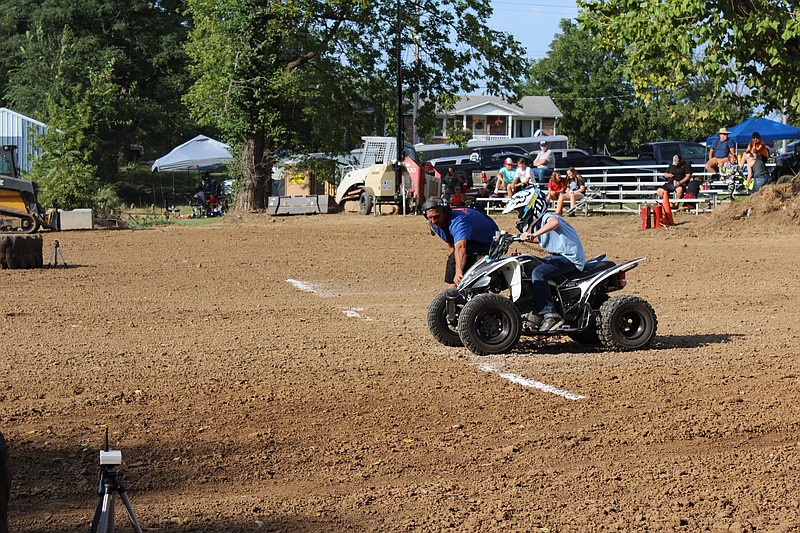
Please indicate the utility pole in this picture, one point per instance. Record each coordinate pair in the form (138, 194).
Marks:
(399, 89)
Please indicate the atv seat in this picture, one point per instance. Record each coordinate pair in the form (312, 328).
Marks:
(596, 264)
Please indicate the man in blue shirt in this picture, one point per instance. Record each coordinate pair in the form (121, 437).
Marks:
(557, 237)
(719, 150)
(467, 232)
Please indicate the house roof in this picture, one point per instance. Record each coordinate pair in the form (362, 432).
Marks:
(529, 106)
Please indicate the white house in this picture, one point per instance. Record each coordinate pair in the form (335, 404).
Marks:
(21, 131)
(491, 117)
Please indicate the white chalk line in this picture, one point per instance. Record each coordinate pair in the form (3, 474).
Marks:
(313, 288)
(355, 312)
(527, 382)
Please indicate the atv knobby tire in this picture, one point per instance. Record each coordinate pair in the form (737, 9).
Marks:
(20, 251)
(626, 323)
(442, 330)
(489, 324)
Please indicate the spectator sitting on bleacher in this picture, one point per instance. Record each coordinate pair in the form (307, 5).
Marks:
(505, 177)
(576, 186)
(555, 186)
(522, 177)
(677, 174)
(692, 191)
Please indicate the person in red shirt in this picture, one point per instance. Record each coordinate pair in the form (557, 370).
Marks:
(556, 186)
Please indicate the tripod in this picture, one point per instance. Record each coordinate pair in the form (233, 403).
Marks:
(55, 254)
(110, 483)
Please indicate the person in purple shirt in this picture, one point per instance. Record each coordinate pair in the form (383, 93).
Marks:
(467, 232)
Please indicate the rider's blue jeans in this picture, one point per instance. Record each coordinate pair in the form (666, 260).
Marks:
(552, 266)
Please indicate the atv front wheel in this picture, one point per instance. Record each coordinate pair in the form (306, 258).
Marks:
(626, 323)
(441, 329)
(489, 324)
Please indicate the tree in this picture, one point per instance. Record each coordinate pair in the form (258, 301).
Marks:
(64, 171)
(49, 47)
(600, 106)
(310, 75)
(724, 43)
(587, 86)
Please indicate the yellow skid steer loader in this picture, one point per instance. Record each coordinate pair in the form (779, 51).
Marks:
(20, 211)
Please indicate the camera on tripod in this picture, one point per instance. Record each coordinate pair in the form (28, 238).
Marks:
(110, 457)
(110, 484)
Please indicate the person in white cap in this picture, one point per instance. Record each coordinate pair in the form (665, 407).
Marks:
(719, 150)
(544, 163)
(505, 176)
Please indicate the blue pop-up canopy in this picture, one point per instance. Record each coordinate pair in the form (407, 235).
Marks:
(768, 129)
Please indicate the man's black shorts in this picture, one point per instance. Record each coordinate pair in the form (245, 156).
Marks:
(450, 269)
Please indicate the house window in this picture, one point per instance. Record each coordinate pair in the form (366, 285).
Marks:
(526, 128)
(444, 126)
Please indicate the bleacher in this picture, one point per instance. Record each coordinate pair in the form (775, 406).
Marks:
(627, 190)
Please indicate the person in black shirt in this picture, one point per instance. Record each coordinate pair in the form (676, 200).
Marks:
(678, 175)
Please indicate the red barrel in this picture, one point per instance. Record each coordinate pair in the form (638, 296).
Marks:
(657, 210)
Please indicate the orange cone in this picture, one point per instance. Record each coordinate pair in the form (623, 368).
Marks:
(666, 215)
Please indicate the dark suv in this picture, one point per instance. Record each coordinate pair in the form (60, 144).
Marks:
(661, 152)
(492, 157)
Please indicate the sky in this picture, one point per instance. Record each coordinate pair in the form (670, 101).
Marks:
(532, 22)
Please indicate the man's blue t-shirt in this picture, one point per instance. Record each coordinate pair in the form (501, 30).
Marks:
(467, 225)
(721, 149)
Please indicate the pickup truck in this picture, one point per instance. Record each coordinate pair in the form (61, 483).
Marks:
(660, 153)
(787, 164)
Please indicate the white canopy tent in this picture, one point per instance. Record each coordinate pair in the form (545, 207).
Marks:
(200, 153)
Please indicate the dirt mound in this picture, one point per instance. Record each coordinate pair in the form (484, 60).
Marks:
(774, 208)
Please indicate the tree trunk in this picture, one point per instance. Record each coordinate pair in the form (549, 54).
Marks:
(253, 192)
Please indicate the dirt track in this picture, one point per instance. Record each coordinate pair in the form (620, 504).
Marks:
(243, 403)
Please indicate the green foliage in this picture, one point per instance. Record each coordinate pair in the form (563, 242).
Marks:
(108, 201)
(48, 47)
(601, 107)
(667, 43)
(313, 75)
(459, 137)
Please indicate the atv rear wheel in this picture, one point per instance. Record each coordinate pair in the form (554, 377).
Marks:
(441, 329)
(489, 324)
(626, 323)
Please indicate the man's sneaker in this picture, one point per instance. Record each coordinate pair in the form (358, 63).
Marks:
(551, 323)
